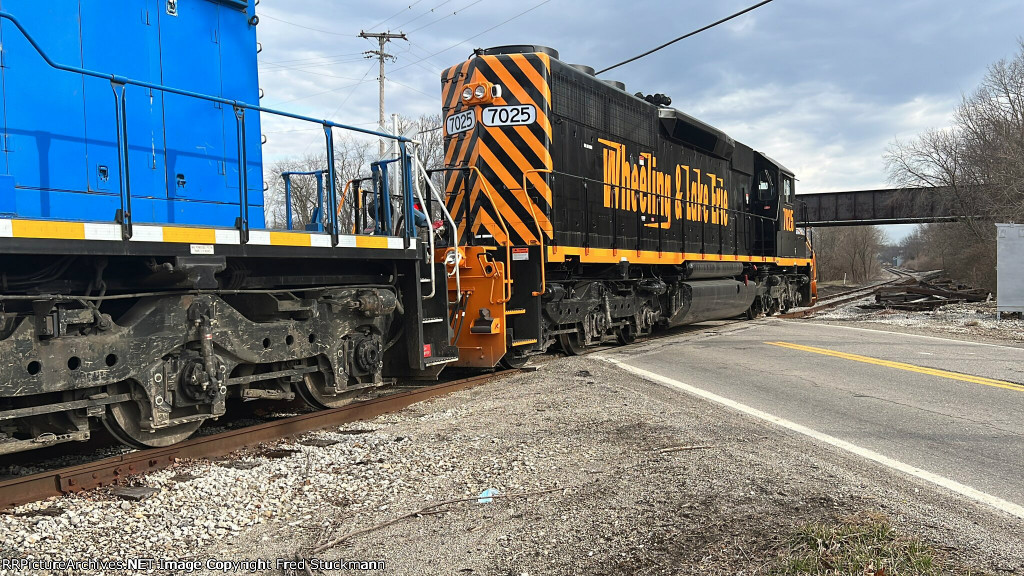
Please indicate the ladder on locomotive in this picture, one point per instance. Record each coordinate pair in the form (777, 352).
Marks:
(438, 309)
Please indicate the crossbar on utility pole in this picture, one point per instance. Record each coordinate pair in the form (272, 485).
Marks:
(382, 38)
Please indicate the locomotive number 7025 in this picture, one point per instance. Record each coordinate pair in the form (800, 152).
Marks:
(461, 122)
(509, 115)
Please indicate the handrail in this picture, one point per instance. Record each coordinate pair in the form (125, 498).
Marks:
(124, 217)
(382, 193)
(506, 292)
(540, 233)
(358, 202)
(430, 235)
(287, 177)
(437, 196)
(507, 289)
(239, 108)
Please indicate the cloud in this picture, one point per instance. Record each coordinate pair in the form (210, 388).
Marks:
(823, 86)
(831, 138)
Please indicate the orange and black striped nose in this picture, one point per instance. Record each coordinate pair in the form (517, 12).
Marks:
(497, 110)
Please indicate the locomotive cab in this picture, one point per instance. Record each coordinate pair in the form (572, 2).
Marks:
(773, 202)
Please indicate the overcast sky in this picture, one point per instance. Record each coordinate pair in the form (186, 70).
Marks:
(822, 86)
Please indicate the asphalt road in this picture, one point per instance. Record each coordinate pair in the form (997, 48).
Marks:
(948, 407)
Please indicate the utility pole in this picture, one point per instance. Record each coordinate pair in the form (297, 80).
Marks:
(383, 38)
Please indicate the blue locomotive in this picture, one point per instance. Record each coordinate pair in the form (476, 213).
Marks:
(62, 156)
(139, 285)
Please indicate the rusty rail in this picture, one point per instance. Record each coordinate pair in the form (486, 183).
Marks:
(857, 294)
(44, 485)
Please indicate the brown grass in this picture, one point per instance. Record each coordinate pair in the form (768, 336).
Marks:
(863, 544)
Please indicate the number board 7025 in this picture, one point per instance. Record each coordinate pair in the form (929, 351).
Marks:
(517, 115)
(461, 122)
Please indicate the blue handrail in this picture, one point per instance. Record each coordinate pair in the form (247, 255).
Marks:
(318, 213)
(118, 82)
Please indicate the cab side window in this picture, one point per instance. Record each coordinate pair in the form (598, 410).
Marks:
(787, 189)
(765, 186)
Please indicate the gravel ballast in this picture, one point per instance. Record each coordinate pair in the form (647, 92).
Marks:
(648, 480)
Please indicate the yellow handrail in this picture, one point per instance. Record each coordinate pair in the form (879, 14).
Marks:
(540, 233)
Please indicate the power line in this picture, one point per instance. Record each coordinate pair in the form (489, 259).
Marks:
(343, 102)
(315, 94)
(321, 74)
(684, 36)
(307, 27)
(393, 81)
(310, 66)
(538, 5)
(331, 57)
(320, 64)
(445, 17)
(409, 7)
(431, 67)
(431, 11)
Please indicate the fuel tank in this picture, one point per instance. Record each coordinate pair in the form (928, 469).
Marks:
(712, 300)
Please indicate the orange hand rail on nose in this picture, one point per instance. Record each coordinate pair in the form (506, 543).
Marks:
(506, 291)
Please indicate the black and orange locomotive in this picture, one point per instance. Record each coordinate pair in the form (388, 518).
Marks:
(587, 214)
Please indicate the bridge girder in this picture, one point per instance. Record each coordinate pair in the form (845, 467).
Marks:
(872, 207)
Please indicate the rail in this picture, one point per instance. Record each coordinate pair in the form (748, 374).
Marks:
(540, 232)
(848, 296)
(118, 84)
(119, 468)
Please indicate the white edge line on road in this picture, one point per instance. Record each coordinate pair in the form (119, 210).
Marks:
(972, 493)
(968, 342)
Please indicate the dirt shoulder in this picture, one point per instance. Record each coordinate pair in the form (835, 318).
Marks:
(630, 503)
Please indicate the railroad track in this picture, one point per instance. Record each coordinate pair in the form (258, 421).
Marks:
(114, 469)
(111, 470)
(849, 295)
(107, 471)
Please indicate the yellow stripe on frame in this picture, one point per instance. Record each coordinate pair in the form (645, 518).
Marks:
(609, 256)
(289, 239)
(903, 366)
(48, 230)
(371, 242)
(190, 235)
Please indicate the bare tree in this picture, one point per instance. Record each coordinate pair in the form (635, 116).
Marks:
(429, 132)
(848, 252)
(352, 158)
(978, 165)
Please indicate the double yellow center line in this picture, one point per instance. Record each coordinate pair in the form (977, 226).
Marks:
(902, 366)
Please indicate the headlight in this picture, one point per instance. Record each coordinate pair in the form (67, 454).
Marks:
(480, 92)
(467, 94)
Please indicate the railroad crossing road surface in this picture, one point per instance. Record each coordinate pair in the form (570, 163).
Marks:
(947, 411)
